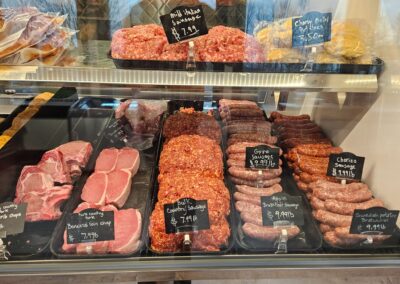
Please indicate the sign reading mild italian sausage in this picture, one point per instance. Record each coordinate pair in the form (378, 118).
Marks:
(282, 209)
(313, 28)
(186, 215)
(262, 157)
(374, 221)
(345, 166)
(90, 225)
(12, 218)
(184, 23)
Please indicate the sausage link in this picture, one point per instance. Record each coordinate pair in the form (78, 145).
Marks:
(337, 186)
(317, 204)
(256, 200)
(268, 233)
(241, 163)
(325, 228)
(295, 135)
(240, 147)
(254, 175)
(254, 191)
(332, 219)
(260, 183)
(346, 208)
(267, 140)
(344, 233)
(331, 238)
(302, 186)
(296, 177)
(293, 142)
(285, 122)
(252, 218)
(276, 115)
(355, 196)
(309, 178)
(242, 206)
(298, 158)
(313, 168)
(312, 150)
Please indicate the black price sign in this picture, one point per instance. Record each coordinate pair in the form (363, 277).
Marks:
(282, 209)
(90, 225)
(262, 157)
(184, 23)
(186, 215)
(374, 221)
(345, 166)
(312, 28)
(12, 217)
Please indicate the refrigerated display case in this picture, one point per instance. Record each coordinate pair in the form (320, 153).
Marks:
(105, 120)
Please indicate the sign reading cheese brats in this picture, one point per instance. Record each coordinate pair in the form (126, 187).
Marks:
(311, 29)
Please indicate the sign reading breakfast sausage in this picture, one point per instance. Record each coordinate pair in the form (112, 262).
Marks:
(282, 209)
(345, 166)
(313, 28)
(374, 221)
(12, 218)
(262, 157)
(90, 225)
(184, 23)
(186, 215)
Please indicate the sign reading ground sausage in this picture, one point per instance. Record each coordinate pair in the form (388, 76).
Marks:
(262, 157)
(90, 225)
(282, 209)
(12, 218)
(186, 215)
(312, 28)
(345, 166)
(184, 23)
(374, 221)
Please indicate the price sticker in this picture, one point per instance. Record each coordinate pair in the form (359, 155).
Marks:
(12, 218)
(186, 215)
(90, 225)
(282, 209)
(184, 23)
(262, 157)
(311, 29)
(374, 221)
(345, 166)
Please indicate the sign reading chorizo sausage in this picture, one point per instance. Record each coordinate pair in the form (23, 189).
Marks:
(12, 217)
(90, 225)
(374, 221)
(184, 23)
(345, 166)
(282, 209)
(312, 28)
(186, 215)
(262, 157)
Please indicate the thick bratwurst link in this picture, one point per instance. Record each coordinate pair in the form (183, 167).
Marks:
(243, 206)
(337, 186)
(313, 168)
(355, 196)
(252, 217)
(256, 200)
(317, 203)
(259, 191)
(346, 208)
(344, 233)
(331, 238)
(259, 183)
(312, 150)
(309, 178)
(266, 140)
(332, 219)
(254, 175)
(268, 233)
(325, 228)
(302, 186)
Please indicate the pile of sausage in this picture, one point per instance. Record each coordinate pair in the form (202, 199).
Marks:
(191, 166)
(246, 126)
(333, 203)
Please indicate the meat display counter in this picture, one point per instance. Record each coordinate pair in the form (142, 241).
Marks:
(236, 155)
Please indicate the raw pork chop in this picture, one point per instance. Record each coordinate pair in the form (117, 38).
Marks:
(107, 160)
(128, 159)
(76, 155)
(32, 179)
(118, 187)
(52, 162)
(128, 225)
(95, 187)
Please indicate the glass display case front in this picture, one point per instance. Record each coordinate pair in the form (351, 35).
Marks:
(175, 140)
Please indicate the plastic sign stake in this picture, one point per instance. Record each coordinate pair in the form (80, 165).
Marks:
(184, 23)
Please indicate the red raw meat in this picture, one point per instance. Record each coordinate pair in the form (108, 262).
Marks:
(52, 162)
(32, 178)
(118, 187)
(76, 155)
(128, 159)
(94, 190)
(107, 160)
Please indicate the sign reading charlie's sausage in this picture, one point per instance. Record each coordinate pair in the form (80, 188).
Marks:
(262, 157)
(311, 29)
(345, 166)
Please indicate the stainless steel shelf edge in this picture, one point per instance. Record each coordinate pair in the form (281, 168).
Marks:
(282, 81)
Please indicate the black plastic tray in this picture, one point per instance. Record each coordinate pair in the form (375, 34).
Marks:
(173, 106)
(375, 68)
(26, 148)
(139, 197)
